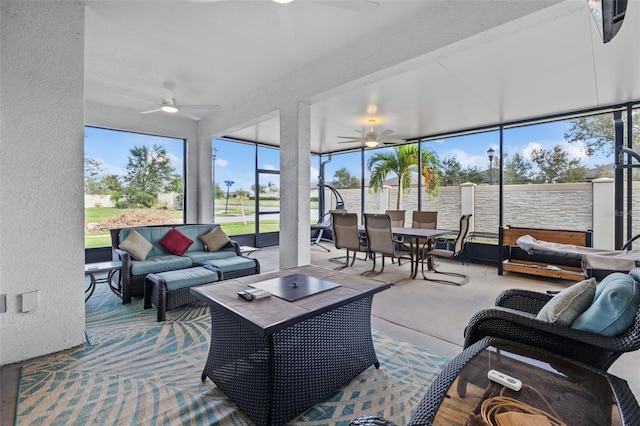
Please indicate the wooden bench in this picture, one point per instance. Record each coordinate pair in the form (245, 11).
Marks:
(517, 260)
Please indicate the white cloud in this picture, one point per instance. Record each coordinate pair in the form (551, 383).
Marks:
(467, 160)
(576, 150)
(314, 173)
(109, 169)
(221, 162)
(269, 167)
(528, 150)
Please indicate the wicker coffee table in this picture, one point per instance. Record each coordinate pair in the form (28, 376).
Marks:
(274, 358)
(574, 393)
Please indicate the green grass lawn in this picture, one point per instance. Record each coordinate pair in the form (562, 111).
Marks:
(98, 214)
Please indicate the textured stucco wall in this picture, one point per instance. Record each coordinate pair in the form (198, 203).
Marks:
(41, 175)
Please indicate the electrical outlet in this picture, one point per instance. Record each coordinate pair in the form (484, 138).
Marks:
(3, 303)
(29, 301)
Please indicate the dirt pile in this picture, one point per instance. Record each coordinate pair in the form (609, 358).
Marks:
(136, 217)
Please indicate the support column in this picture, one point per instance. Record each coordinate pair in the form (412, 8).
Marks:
(295, 164)
(41, 177)
(603, 214)
(468, 202)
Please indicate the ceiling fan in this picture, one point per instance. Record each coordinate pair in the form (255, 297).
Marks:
(372, 138)
(168, 103)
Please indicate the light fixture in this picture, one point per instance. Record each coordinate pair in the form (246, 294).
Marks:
(168, 107)
(490, 153)
(283, 1)
(371, 144)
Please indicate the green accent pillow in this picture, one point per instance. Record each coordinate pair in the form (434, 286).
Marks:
(566, 306)
(214, 240)
(614, 308)
(136, 245)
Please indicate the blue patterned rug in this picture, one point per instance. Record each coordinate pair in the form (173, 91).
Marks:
(138, 371)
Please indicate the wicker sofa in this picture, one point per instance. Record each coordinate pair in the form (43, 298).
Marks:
(130, 281)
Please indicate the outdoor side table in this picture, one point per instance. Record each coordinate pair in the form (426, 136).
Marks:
(576, 393)
(91, 269)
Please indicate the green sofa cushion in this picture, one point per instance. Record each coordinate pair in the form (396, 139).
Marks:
(188, 277)
(231, 264)
(165, 262)
(202, 256)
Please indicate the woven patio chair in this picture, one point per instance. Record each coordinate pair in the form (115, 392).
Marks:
(380, 240)
(589, 348)
(347, 236)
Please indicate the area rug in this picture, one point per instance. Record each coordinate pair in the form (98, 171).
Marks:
(135, 370)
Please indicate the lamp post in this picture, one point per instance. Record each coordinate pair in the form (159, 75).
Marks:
(214, 153)
(490, 154)
(228, 183)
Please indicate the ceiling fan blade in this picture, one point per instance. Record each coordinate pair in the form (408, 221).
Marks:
(391, 141)
(134, 99)
(351, 141)
(386, 133)
(151, 111)
(199, 106)
(358, 138)
(191, 116)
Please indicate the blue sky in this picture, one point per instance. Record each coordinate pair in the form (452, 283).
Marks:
(235, 162)
(112, 148)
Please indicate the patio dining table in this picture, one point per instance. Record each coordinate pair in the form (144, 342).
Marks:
(415, 235)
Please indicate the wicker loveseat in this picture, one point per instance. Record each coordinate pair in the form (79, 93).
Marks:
(133, 272)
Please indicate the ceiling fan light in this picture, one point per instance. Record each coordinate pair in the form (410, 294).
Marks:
(371, 144)
(283, 1)
(169, 108)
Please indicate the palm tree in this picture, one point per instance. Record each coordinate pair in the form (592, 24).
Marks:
(403, 161)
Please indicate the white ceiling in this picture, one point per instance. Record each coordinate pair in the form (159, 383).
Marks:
(217, 52)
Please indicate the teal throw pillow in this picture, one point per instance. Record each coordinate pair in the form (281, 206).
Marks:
(614, 307)
(564, 307)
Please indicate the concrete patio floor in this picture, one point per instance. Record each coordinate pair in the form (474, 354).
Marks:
(424, 313)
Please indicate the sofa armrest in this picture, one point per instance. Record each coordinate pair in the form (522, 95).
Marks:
(233, 245)
(123, 277)
(522, 300)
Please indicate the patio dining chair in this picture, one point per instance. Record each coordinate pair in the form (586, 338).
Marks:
(429, 255)
(381, 241)
(347, 236)
(397, 221)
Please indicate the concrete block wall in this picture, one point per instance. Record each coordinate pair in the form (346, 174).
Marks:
(549, 206)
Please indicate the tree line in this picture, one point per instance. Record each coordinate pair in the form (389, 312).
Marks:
(149, 172)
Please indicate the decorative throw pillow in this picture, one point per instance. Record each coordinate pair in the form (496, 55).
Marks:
(136, 245)
(214, 240)
(566, 306)
(614, 308)
(176, 242)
